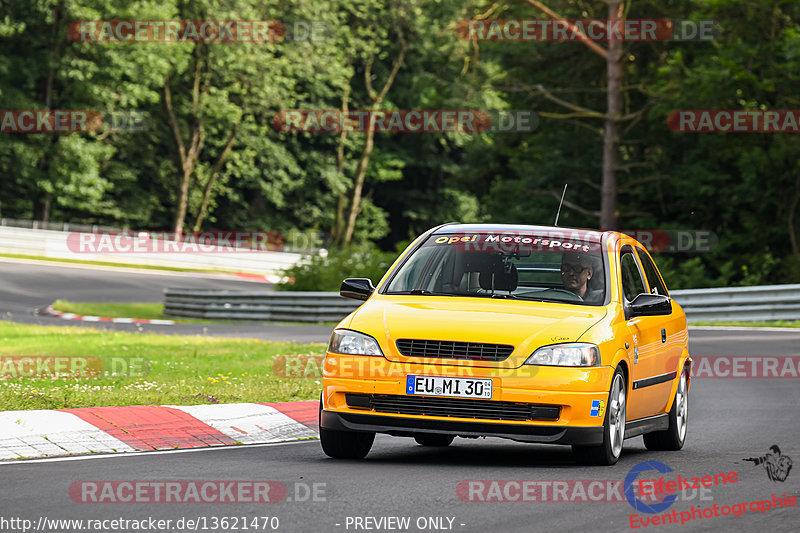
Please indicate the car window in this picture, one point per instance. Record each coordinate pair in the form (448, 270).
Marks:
(654, 282)
(632, 284)
(515, 265)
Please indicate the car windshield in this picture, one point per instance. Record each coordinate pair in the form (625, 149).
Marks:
(515, 265)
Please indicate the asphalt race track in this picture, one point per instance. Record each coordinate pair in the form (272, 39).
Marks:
(26, 287)
(730, 419)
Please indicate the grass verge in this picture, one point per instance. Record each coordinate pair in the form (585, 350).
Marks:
(152, 311)
(147, 369)
(146, 310)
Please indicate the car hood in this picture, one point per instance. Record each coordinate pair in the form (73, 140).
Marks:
(525, 325)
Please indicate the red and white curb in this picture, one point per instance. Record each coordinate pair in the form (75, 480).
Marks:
(72, 316)
(29, 434)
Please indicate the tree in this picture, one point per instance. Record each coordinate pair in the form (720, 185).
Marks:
(613, 115)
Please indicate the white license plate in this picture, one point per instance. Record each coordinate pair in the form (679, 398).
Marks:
(454, 387)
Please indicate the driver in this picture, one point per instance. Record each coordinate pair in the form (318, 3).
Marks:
(576, 271)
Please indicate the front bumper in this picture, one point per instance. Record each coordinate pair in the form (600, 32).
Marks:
(574, 391)
(407, 426)
(574, 394)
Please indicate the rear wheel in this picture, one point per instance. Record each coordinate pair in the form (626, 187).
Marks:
(674, 436)
(609, 451)
(433, 439)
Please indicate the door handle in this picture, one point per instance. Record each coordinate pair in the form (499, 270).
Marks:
(663, 335)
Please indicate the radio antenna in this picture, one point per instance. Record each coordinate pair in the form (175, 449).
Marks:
(559, 205)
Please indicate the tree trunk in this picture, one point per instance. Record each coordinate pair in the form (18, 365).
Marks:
(212, 178)
(361, 174)
(791, 221)
(338, 222)
(44, 164)
(183, 201)
(337, 232)
(377, 100)
(48, 200)
(608, 201)
(188, 157)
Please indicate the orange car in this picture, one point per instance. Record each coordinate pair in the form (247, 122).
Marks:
(536, 334)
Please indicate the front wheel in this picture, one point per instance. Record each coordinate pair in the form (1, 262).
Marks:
(345, 444)
(674, 436)
(609, 451)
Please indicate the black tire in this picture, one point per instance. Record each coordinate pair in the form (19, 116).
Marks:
(674, 436)
(434, 439)
(609, 452)
(345, 444)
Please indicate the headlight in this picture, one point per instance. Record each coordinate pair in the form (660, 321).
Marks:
(353, 343)
(572, 354)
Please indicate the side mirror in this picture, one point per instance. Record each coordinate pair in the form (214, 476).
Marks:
(650, 305)
(357, 288)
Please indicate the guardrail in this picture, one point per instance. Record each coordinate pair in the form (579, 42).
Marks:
(747, 304)
(770, 302)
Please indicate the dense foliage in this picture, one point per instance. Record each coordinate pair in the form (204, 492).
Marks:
(221, 99)
(326, 272)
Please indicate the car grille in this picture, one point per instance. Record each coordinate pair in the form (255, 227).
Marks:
(453, 407)
(472, 351)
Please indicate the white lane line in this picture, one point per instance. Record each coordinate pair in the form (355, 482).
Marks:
(154, 452)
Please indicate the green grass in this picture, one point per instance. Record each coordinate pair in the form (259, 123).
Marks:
(149, 311)
(112, 264)
(762, 324)
(149, 369)
(152, 311)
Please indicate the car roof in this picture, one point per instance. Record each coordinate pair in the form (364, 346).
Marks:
(587, 234)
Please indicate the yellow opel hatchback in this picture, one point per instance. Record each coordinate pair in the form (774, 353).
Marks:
(536, 334)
